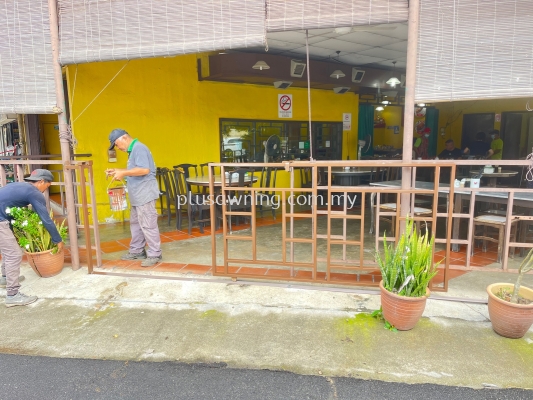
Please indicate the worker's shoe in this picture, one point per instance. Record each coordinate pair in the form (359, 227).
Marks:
(151, 261)
(19, 299)
(3, 281)
(134, 256)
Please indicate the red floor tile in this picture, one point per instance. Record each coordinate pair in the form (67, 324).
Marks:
(195, 269)
(116, 263)
(125, 242)
(112, 247)
(165, 239)
(253, 271)
(283, 273)
(168, 267)
(231, 270)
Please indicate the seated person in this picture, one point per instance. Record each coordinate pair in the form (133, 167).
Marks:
(450, 152)
(480, 148)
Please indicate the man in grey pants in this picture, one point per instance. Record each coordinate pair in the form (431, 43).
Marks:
(143, 193)
(21, 194)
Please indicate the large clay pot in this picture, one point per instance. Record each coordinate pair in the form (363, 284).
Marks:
(509, 319)
(400, 311)
(45, 264)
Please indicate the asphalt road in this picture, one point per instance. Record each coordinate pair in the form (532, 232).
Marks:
(27, 377)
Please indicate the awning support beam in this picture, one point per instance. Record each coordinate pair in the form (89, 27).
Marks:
(64, 135)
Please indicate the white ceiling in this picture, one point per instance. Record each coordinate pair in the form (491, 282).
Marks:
(370, 46)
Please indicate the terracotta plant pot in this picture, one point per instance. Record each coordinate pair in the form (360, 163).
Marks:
(45, 264)
(400, 311)
(509, 319)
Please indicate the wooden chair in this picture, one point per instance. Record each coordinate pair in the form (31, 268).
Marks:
(204, 169)
(189, 170)
(490, 224)
(195, 203)
(167, 192)
(227, 156)
(239, 200)
(391, 207)
(267, 195)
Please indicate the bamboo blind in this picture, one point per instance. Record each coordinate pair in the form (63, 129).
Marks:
(475, 49)
(102, 30)
(26, 71)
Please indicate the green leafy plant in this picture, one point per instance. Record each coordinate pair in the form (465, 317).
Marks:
(30, 232)
(378, 314)
(505, 293)
(408, 267)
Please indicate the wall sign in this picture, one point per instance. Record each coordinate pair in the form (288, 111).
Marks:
(346, 121)
(284, 105)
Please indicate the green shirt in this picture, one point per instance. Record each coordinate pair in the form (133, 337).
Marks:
(130, 147)
(497, 144)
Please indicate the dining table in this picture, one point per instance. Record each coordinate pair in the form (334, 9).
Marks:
(203, 181)
(520, 199)
(348, 176)
(493, 176)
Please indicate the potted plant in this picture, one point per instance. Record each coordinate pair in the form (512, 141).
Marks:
(511, 307)
(36, 242)
(406, 271)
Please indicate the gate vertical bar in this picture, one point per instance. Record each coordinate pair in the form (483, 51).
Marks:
(64, 136)
(96, 231)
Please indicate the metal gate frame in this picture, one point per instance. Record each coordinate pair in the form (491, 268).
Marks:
(288, 215)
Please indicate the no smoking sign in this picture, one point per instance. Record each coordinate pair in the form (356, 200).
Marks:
(284, 105)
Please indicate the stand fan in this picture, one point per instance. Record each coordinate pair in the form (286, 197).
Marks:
(272, 148)
(364, 145)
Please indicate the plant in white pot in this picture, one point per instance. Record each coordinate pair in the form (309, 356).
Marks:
(511, 306)
(36, 242)
(406, 270)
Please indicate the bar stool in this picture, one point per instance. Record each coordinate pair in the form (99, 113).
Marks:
(497, 222)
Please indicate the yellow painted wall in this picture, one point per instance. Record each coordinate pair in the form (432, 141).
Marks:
(161, 102)
(451, 115)
(383, 136)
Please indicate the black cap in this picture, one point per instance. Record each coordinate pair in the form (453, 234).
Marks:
(114, 135)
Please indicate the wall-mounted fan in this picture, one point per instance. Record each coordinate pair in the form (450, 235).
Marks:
(272, 148)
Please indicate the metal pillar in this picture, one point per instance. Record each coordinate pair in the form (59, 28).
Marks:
(64, 135)
(409, 109)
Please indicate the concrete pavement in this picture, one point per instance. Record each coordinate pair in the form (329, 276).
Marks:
(318, 332)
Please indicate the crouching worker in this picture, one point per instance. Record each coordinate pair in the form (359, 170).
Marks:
(21, 194)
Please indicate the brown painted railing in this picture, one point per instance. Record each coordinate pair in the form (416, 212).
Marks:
(324, 269)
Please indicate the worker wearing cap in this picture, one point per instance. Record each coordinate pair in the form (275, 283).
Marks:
(143, 192)
(22, 194)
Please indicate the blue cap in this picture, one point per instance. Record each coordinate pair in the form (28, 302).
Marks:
(114, 135)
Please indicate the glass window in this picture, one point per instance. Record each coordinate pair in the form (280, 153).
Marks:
(244, 140)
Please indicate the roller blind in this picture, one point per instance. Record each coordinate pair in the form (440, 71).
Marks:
(102, 30)
(283, 15)
(475, 49)
(26, 71)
